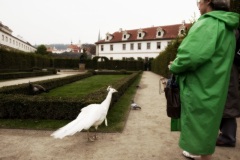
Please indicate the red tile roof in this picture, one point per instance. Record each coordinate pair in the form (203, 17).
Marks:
(170, 32)
(74, 48)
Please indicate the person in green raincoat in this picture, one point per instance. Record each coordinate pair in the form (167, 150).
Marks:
(202, 65)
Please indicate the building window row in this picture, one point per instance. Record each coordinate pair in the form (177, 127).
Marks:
(141, 34)
(15, 42)
(139, 46)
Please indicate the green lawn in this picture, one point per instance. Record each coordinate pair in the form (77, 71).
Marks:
(117, 115)
(85, 86)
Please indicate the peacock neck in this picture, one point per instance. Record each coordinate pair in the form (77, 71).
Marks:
(107, 101)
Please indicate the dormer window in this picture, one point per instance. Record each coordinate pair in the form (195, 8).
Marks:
(140, 34)
(109, 37)
(125, 35)
(181, 32)
(182, 29)
(159, 33)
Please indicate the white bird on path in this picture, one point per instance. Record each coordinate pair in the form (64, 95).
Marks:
(91, 115)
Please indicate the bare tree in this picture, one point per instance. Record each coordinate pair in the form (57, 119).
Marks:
(89, 48)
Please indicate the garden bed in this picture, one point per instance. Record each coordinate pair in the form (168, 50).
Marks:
(15, 103)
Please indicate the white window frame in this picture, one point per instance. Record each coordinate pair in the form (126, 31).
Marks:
(148, 45)
(139, 46)
(131, 46)
(124, 46)
(158, 45)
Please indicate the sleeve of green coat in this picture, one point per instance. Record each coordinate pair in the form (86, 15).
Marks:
(196, 48)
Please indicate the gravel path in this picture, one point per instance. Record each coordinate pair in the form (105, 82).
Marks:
(146, 136)
(34, 79)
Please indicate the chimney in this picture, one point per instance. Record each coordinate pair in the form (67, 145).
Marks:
(120, 29)
(183, 22)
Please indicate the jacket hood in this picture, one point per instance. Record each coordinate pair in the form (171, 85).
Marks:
(231, 19)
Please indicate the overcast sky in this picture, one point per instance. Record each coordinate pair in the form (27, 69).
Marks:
(63, 21)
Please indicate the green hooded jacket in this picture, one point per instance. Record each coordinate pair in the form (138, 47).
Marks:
(203, 65)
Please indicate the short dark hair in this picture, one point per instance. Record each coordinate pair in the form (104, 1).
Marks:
(223, 5)
(235, 6)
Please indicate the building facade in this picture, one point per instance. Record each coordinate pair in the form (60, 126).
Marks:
(7, 40)
(141, 43)
(73, 48)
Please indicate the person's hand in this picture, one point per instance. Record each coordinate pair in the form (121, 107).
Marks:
(169, 64)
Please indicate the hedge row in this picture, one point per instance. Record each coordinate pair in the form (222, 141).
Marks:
(161, 62)
(116, 65)
(92, 64)
(22, 106)
(15, 75)
(48, 84)
(22, 61)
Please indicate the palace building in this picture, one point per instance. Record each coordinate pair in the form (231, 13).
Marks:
(7, 40)
(142, 43)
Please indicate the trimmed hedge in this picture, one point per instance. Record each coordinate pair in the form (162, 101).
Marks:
(22, 60)
(15, 75)
(160, 64)
(93, 64)
(16, 106)
(22, 106)
(48, 84)
(12, 60)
